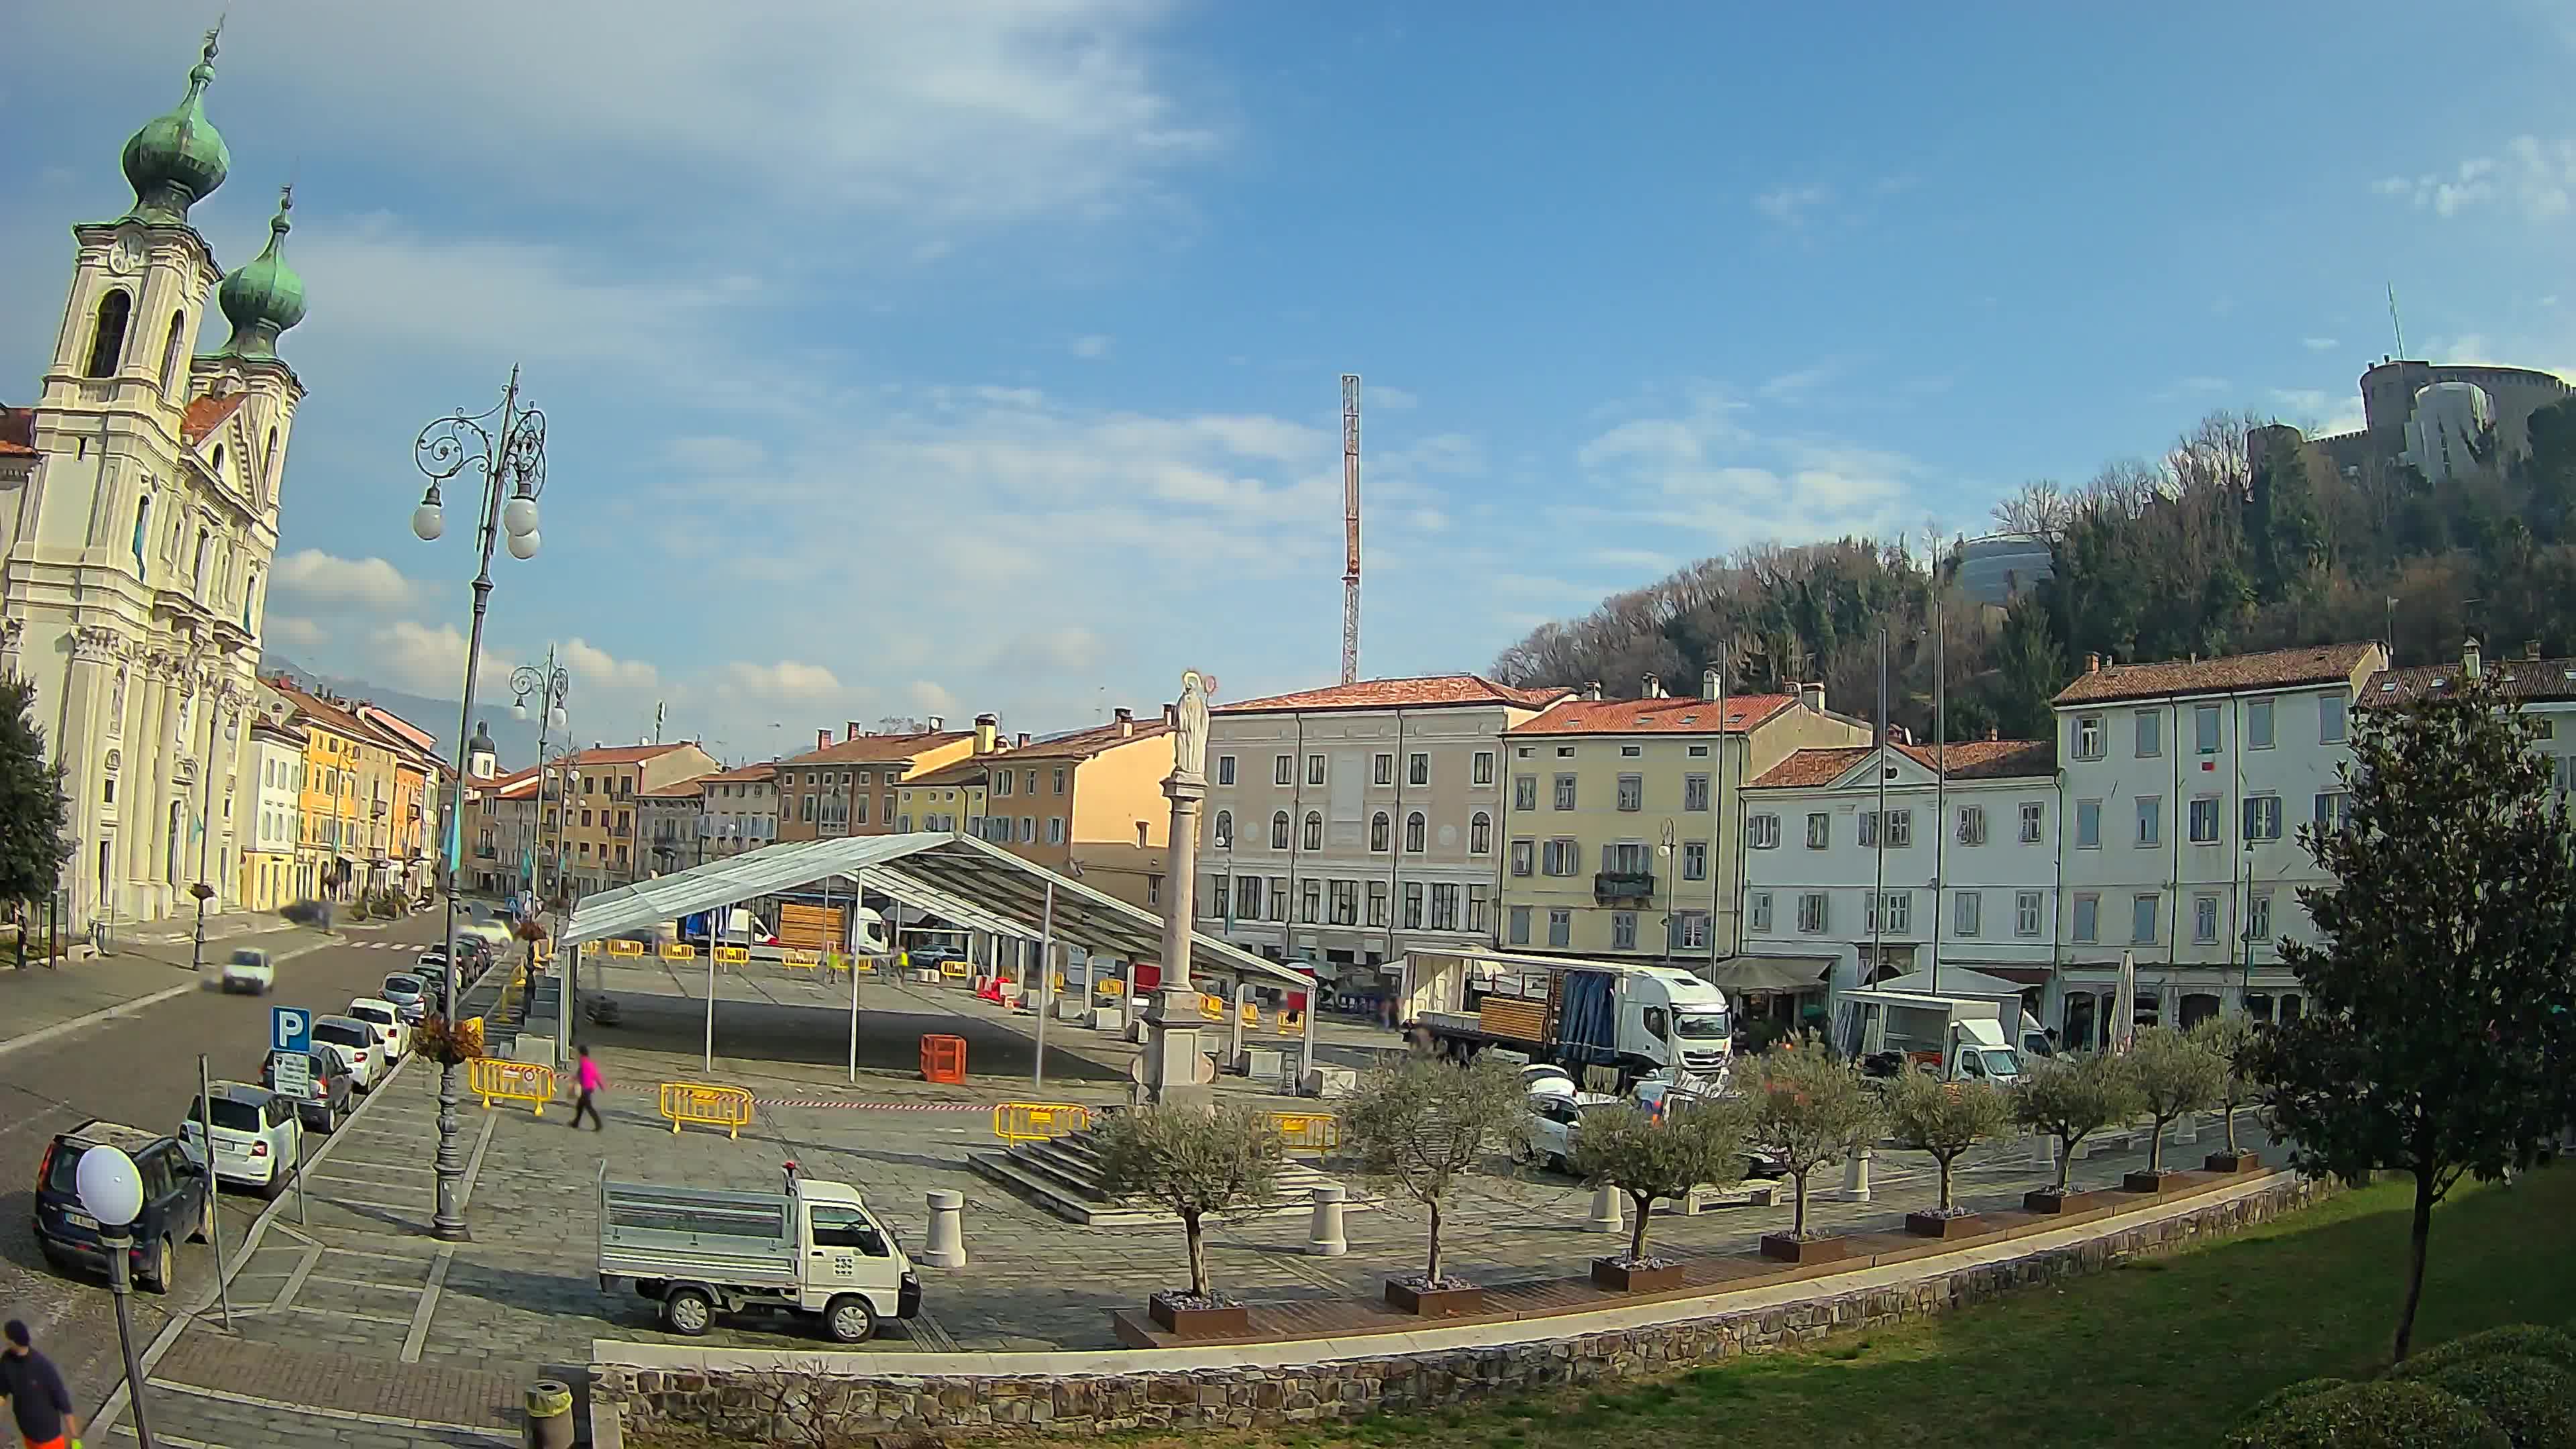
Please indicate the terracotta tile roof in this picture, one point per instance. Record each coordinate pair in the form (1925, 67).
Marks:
(689, 789)
(973, 770)
(1969, 760)
(17, 433)
(876, 749)
(2524, 679)
(1083, 744)
(753, 774)
(206, 414)
(1422, 691)
(626, 754)
(2276, 669)
(1674, 714)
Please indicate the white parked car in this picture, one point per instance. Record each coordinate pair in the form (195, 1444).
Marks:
(258, 1136)
(357, 1041)
(246, 970)
(386, 1018)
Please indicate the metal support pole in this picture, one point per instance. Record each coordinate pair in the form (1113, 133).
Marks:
(850, 958)
(214, 1190)
(120, 1280)
(1941, 802)
(1306, 1045)
(711, 994)
(1046, 974)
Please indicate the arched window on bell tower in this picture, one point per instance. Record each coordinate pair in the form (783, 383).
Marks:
(107, 340)
(170, 356)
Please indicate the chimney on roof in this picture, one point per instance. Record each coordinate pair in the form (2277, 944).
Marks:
(1993, 734)
(1654, 687)
(1172, 716)
(1592, 690)
(988, 730)
(1813, 696)
(850, 729)
(822, 739)
(1126, 720)
(1709, 687)
(938, 722)
(1020, 740)
(2092, 663)
(2471, 657)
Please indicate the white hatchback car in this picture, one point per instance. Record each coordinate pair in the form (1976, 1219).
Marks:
(357, 1040)
(386, 1018)
(258, 1135)
(246, 970)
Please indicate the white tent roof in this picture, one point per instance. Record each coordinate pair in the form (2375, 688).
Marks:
(957, 876)
(1955, 981)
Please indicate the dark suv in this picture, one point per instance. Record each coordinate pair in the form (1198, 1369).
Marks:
(175, 1203)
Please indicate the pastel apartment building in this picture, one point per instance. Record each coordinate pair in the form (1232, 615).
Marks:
(849, 786)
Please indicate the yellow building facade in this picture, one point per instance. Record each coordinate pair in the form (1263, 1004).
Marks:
(1619, 817)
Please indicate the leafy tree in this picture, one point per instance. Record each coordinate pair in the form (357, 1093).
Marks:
(2071, 1100)
(2438, 1032)
(1944, 1119)
(1697, 1144)
(2229, 1038)
(2172, 1074)
(33, 839)
(1423, 1123)
(1194, 1162)
(1809, 1109)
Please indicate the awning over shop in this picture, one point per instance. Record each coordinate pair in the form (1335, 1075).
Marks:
(990, 888)
(1767, 973)
(1955, 981)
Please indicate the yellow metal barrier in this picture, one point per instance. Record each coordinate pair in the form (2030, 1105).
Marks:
(590, 948)
(1308, 1131)
(1036, 1121)
(799, 959)
(625, 948)
(1251, 1017)
(1109, 990)
(495, 1080)
(545, 949)
(1291, 1022)
(733, 955)
(707, 1105)
(678, 951)
(864, 965)
(1211, 1007)
(956, 970)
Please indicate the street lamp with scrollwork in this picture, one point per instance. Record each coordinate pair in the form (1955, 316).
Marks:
(506, 445)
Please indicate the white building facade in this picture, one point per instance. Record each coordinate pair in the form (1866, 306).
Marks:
(740, 810)
(276, 770)
(137, 526)
(1351, 824)
(1960, 873)
(2184, 787)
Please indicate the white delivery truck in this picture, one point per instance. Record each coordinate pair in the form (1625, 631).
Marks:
(1609, 1024)
(813, 1250)
(1956, 1038)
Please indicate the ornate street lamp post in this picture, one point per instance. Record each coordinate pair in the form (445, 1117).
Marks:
(507, 447)
(549, 686)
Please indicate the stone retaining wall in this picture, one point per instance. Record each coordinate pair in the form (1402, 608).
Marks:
(761, 1406)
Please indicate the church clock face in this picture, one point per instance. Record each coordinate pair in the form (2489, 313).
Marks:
(125, 254)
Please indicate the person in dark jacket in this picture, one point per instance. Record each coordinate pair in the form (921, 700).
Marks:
(37, 1398)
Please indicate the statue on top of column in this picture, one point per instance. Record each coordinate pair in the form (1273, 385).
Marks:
(1190, 737)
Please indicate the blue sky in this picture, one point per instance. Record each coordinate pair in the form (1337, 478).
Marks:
(938, 358)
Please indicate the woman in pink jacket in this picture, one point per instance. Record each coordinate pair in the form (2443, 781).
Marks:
(587, 1078)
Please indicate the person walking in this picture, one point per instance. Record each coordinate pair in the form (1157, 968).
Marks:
(37, 1398)
(586, 1076)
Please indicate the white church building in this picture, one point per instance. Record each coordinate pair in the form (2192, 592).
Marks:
(138, 516)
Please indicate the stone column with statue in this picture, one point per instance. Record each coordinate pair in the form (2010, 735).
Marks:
(1173, 1060)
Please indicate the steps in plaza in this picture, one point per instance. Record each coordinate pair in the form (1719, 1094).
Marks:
(1062, 1175)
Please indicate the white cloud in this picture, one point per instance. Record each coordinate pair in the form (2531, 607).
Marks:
(1065, 650)
(1093, 347)
(2319, 344)
(2533, 176)
(1789, 204)
(789, 681)
(1795, 386)
(426, 661)
(1392, 399)
(594, 665)
(327, 579)
(931, 698)
(2319, 413)
(294, 632)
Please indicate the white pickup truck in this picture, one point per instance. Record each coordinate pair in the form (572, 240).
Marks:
(813, 1250)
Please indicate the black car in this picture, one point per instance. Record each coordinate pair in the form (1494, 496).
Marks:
(175, 1203)
(334, 1091)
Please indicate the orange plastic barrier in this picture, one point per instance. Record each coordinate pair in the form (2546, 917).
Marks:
(943, 1059)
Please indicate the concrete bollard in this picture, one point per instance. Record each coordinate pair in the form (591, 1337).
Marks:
(550, 1415)
(947, 1245)
(1856, 1176)
(2186, 1128)
(1609, 1211)
(1324, 1238)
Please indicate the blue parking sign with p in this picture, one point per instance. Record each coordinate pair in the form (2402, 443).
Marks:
(290, 1029)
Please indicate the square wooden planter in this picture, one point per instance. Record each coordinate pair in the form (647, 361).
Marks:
(2164, 1181)
(1933, 1225)
(1618, 1277)
(1780, 1247)
(1433, 1302)
(2045, 1201)
(1231, 1320)
(2232, 1162)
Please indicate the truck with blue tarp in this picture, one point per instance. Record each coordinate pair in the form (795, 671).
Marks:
(1609, 1024)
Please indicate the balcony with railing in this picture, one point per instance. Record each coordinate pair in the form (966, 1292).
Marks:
(1623, 885)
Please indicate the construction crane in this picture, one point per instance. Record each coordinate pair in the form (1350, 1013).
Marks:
(1351, 527)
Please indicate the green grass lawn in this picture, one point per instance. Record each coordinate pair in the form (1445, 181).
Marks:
(2167, 1351)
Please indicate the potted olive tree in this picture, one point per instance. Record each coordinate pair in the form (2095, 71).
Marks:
(1197, 1163)
(1419, 1125)
(2172, 1074)
(2231, 1038)
(1808, 1109)
(2070, 1101)
(1943, 1120)
(1622, 1146)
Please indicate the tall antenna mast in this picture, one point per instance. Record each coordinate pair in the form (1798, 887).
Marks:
(1351, 527)
(2393, 324)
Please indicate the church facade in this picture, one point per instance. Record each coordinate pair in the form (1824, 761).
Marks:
(139, 499)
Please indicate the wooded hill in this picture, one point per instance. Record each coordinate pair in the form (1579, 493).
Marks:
(2203, 551)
